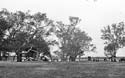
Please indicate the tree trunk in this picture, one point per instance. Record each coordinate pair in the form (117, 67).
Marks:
(19, 57)
(72, 58)
(113, 58)
(63, 58)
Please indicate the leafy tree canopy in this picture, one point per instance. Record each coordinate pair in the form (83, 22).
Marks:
(114, 37)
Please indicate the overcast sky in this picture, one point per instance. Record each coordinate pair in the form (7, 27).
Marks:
(94, 15)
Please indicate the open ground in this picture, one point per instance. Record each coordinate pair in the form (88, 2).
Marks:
(62, 70)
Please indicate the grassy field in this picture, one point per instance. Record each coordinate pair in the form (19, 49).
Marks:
(62, 70)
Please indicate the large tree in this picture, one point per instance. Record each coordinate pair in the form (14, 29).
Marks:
(74, 42)
(4, 26)
(25, 29)
(114, 37)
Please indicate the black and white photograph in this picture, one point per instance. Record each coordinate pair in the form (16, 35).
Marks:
(62, 38)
